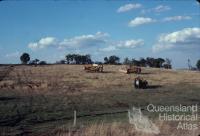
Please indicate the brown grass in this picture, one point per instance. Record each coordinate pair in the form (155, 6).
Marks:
(73, 77)
(123, 129)
(36, 100)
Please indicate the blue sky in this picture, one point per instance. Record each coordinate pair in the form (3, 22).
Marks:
(48, 30)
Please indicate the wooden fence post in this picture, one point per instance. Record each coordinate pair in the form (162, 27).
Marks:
(74, 124)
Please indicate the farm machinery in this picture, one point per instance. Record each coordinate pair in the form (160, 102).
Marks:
(140, 83)
(94, 68)
(131, 69)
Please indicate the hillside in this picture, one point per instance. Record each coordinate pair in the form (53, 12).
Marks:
(40, 100)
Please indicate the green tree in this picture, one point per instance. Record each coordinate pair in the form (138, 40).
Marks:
(159, 62)
(150, 61)
(68, 58)
(135, 62)
(127, 61)
(34, 62)
(168, 61)
(25, 57)
(114, 59)
(78, 59)
(42, 63)
(198, 64)
(62, 61)
(88, 59)
(142, 62)
(106, 60)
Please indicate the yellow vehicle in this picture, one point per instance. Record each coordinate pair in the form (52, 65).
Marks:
(94, 68)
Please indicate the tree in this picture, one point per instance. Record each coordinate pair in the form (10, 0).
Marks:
(88, 59)
(113, 59)
(159, 62)
(68, 58)
(106, 60)
(143, 62)
(167, 64)
(34, 62)
(198, 64)
(168, 61)
(25, 57)
(135, 62)
(150, 61)
(155, 62)
(127, 61)
(42, 63)
(78, 59)
(62, 62)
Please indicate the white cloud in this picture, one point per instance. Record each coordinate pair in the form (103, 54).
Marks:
(197, 3)
(140, 21)
(128, 7)
(43, 43)
(177, 18)
(75, 42)
(108, 49)
(157, 9)
(130, 43)
(99, 41)
(84, 40)
(161, 8)
(187, 38)
(12, 55)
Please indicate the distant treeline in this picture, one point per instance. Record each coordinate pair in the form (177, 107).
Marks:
(150, 62)
(113, 59)
(77, 59)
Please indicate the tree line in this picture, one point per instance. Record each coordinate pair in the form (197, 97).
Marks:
(150, 62)
(78, 59)
(113, 59)
(26, 59)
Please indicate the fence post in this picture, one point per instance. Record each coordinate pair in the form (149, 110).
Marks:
(74, 124)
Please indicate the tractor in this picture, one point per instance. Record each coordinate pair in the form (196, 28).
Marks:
(140, 83)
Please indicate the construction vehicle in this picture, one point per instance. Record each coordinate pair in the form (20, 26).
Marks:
(140, 83)
(136, 70)
(131, 69)
(94, 68)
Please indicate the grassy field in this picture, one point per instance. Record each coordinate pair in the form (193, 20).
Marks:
(41, 100)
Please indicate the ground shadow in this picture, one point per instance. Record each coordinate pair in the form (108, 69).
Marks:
(153, 86)
(103, 72)
(141, 73)
(108, 72)
(145, 73)
(6, 98)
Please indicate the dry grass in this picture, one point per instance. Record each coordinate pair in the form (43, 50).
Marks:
(123, 129)
(74, 78)
(35, 99)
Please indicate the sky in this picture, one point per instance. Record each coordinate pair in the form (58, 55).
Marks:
(50, 29)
